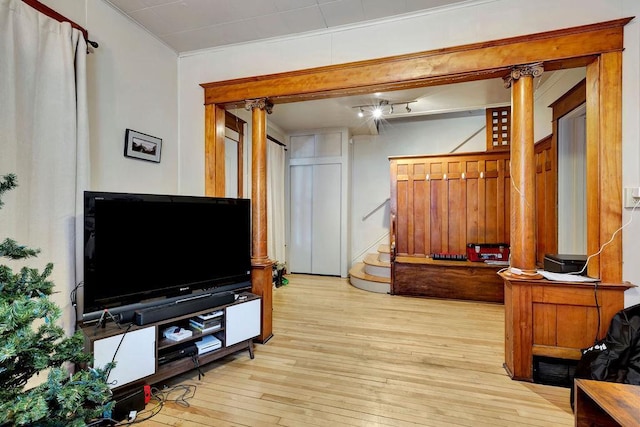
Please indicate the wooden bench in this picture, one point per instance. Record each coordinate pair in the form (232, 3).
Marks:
(466, 280)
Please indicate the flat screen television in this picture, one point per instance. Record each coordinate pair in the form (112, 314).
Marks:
(142, 249)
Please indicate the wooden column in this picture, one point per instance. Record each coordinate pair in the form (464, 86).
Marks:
(261, 265)
(523, 172)
(214, 124)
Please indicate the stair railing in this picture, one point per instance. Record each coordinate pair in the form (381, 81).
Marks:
(374, 210)
(468, 139)
(368, 248)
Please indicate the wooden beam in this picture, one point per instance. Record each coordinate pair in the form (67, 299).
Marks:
(441, 66)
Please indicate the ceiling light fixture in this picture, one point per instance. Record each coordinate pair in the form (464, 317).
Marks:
(376, 110)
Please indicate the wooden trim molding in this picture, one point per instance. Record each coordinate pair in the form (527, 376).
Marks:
(571, 47)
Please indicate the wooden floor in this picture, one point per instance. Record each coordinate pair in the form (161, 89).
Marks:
(341, 356)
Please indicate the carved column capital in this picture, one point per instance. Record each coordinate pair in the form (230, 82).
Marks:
(261, 103)
(533, 70)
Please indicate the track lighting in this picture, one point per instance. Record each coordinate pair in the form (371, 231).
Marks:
(376, 110)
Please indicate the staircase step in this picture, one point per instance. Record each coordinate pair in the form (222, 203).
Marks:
(376, 267)
(367, 282)
(384, 253)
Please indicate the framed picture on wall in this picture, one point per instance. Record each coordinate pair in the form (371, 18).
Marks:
(142, 146)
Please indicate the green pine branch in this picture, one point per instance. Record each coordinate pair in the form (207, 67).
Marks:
(31, 341)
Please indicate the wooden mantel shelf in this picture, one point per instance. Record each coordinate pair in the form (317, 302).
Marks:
(555, 319)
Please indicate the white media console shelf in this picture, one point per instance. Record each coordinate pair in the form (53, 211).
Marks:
(142, 354)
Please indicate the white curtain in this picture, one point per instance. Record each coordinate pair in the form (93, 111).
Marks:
(275, 202)
(44, 141)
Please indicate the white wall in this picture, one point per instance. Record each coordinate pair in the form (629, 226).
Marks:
(451, 27)
(370, 168)
(132, 81)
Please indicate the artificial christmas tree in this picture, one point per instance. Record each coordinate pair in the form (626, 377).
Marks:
(31, 342)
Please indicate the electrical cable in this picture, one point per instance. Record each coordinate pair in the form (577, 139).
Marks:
(607, 242)
(73, 296)
(595, 297)
(113, 359)
(162, 397)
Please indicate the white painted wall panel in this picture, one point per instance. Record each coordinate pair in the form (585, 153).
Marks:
(301, 208)
(327, 194)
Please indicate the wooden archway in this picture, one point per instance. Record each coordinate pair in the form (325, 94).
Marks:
(598, 47)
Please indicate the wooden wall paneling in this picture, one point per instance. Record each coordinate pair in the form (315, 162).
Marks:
(492, 201)
(546, 224)
(214, 129)
(571, 316)
(437, 210)
(402, 238)
(545, 315)
(472, 192)
(421, 276)
(482, 202)
(419, 210)
(519, 324)
(610, 155)
(393, 212)
(426, 209)
(593, 166)
(410, 211)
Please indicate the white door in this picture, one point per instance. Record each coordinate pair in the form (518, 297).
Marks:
(325, 244)
(315, 219)
(301, 218)
(318, 185)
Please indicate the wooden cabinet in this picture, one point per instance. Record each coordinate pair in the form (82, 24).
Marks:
(139, 351)
(134, 353)
(555, 319)
(441, 203)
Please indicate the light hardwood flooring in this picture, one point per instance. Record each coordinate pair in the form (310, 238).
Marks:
(341, 356)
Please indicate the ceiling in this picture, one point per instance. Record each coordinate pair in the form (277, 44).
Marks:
(188, 25)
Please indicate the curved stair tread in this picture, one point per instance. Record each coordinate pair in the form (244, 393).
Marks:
(384, 248)
(358, 271)
(366, 282)
(372, 259)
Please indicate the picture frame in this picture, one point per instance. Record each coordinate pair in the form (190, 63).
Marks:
(141, 146)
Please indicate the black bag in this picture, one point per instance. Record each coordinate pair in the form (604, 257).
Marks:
(616, 358)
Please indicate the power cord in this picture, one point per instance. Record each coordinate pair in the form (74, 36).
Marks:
(607, 242)
(73, 296)
(161, 397)
(115, 353)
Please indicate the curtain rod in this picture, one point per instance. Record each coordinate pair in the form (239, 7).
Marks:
(270, 138)
(60, 18)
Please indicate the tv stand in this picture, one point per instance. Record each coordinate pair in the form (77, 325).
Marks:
(139, 349)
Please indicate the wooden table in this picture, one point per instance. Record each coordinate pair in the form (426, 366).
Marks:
(600, 403)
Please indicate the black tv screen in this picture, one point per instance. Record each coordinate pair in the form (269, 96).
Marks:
(142, 247)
